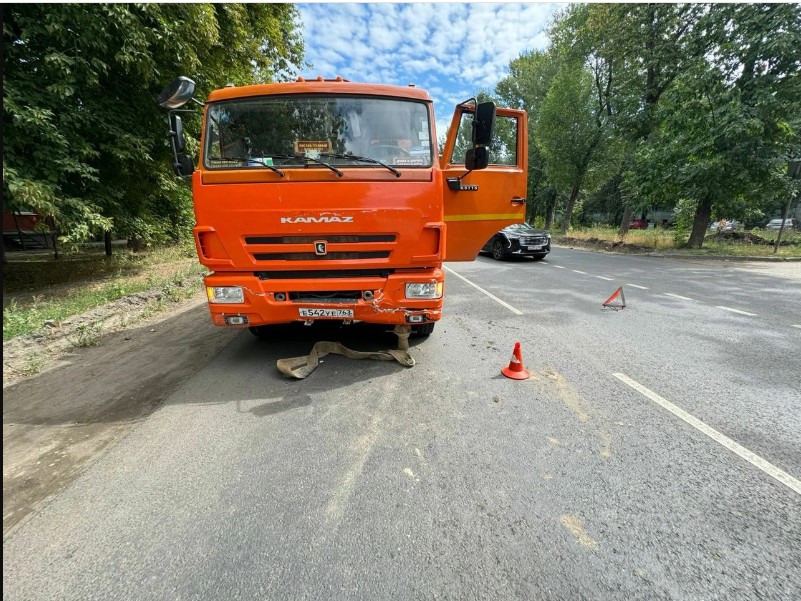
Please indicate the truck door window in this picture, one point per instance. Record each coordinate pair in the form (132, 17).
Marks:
(502, 149)
(282, 130)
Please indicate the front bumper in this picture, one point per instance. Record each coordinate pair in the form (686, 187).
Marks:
(516, 249)
(388, 304)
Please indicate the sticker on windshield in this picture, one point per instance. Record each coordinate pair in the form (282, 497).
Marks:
(312, 148)
(409, 161)
(423, 134)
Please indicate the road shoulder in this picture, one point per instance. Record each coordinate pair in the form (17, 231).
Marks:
(59, 421)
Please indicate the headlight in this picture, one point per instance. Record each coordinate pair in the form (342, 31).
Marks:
(427, 290)
(225, 294)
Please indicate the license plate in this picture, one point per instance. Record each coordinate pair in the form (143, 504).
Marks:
(335, 313)
(535, 247)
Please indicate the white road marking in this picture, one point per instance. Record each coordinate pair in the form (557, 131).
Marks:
(600, 277)
(636, 286)
(736, 311)
(796, 326)
(480, 289)
(581, 272)
(751, 457)
(557, 266)
(677, 296)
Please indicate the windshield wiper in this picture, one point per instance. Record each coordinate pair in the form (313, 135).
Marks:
(303, 157)
(356, 157)
(248, 160)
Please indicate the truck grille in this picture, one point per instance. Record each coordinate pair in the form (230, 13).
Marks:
(339, 247)
(331, 256)
(327, 237)
(330, 296)
(317, 274)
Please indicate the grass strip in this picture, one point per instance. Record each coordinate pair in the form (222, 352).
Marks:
(20, 319)
(663, 240)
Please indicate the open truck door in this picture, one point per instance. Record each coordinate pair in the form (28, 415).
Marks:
(482, 201)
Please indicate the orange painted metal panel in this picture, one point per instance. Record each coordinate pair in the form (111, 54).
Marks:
(259, 230)
(473, 216)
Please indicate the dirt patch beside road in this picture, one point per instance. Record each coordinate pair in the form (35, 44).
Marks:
(56, 423)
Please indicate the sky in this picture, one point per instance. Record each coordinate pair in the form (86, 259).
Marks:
(449, 49)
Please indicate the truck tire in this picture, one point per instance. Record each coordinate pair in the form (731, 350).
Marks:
(260, 332)
(423, 330)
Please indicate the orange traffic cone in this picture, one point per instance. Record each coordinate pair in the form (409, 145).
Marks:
(515, 370)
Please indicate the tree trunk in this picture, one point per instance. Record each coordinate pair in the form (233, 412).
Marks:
(700, 223)
(107, 242)
(624, 222)
(571, 202)
(550, 211)
(781, 228)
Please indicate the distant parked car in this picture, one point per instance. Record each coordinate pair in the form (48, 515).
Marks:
(789, 223)
(638, 224)
(518, 240)
(730, 226)
(725, 225)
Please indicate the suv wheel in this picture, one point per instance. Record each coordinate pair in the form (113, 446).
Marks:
(498, 252)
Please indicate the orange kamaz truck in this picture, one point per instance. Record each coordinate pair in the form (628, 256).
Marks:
(327, 199)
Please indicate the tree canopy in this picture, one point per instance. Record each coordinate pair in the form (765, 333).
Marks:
(698, 107)
(83, 139)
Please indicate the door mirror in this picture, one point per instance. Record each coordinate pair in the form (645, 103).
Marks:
(177, 133)
(177, 93)
(483, 123)
(183, 165)
(476, 158)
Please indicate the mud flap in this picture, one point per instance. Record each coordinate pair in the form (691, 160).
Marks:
(300, 367)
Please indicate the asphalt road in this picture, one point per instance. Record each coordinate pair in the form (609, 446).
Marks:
(371, 481)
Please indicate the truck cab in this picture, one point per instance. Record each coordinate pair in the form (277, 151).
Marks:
(326, 199)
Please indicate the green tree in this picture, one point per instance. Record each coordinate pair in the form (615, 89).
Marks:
(526, 86)
(84, 141)
(730, 122)
(753, 105)
(569, 132)
(635, 52)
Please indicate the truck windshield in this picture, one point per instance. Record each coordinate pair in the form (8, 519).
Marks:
(285, 131)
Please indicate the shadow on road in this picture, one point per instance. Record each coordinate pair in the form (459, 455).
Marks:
(59, 422)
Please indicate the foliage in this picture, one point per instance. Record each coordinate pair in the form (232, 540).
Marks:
(84, 141)
(569, 132)
(21, 318)
(526, 86)
(699, 106)
(47, 276)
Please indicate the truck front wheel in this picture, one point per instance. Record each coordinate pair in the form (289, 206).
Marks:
(423, 330)
(259, 332)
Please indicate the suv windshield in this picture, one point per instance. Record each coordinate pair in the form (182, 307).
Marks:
(292, 131)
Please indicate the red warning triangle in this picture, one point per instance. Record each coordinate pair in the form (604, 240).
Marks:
(617, 293)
